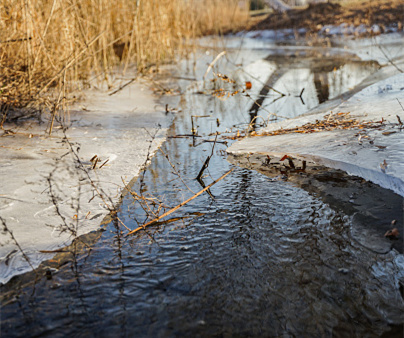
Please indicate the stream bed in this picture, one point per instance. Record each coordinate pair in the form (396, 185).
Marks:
(255, 255)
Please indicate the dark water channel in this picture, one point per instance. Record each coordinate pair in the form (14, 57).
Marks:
(256, 257)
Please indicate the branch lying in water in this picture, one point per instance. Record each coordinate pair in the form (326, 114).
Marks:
(179, 205)
(206, 163)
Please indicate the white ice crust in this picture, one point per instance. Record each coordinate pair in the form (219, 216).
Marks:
(116, 128)
(380, 161)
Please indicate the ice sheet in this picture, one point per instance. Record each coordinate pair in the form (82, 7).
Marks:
(39, 172)
(377, 155)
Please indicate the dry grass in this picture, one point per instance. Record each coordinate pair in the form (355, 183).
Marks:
(50, 46)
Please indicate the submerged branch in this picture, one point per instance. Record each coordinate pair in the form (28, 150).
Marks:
(179, 205)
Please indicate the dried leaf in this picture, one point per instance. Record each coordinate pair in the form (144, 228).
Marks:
(383, 165)
(393, 233)
(248, 85)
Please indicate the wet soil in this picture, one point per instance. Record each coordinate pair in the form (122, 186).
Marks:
(384, 13)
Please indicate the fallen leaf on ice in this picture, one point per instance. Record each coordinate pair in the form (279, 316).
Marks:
(393, 233)
(383, 166)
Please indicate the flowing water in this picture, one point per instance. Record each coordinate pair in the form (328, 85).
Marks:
(253, 256)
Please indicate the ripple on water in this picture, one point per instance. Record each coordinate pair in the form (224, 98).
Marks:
(261, 259)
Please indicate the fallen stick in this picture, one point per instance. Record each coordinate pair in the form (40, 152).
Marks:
(206, 164)
(213, 63)
(184, 136)
(122, 87)
(214, 141)
(179, 205)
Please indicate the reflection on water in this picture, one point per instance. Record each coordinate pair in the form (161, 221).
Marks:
(305, 81)
(258, 258)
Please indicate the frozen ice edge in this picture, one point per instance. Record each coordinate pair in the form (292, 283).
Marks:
(115, 128)
(374, 102)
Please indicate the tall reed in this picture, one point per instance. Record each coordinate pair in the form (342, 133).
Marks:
(47, 44)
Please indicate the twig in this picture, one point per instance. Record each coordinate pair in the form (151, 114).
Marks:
(179, 205)
(175, 170)
(104, 163)
(389, 59)
(99, 191)
(16, 243)
(214, 141)
(184, 136)
(56, 104)
(400, 104)
(213, 63)
(16, 40)
(140, 199)
(122, 87)
(206, 164)
(119, 220)
(184, 78)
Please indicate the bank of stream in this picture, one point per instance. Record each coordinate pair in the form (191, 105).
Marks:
(295, 254)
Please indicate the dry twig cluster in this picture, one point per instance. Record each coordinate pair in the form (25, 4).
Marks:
(329, 122)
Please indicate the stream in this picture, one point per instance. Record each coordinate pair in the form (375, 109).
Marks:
(256, 255)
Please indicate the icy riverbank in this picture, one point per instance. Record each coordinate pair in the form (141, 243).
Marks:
(375, 154)
(48, 197)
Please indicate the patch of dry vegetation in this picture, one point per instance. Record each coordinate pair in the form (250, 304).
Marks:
(51, 46)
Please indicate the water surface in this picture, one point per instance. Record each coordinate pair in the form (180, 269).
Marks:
(253, 257)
